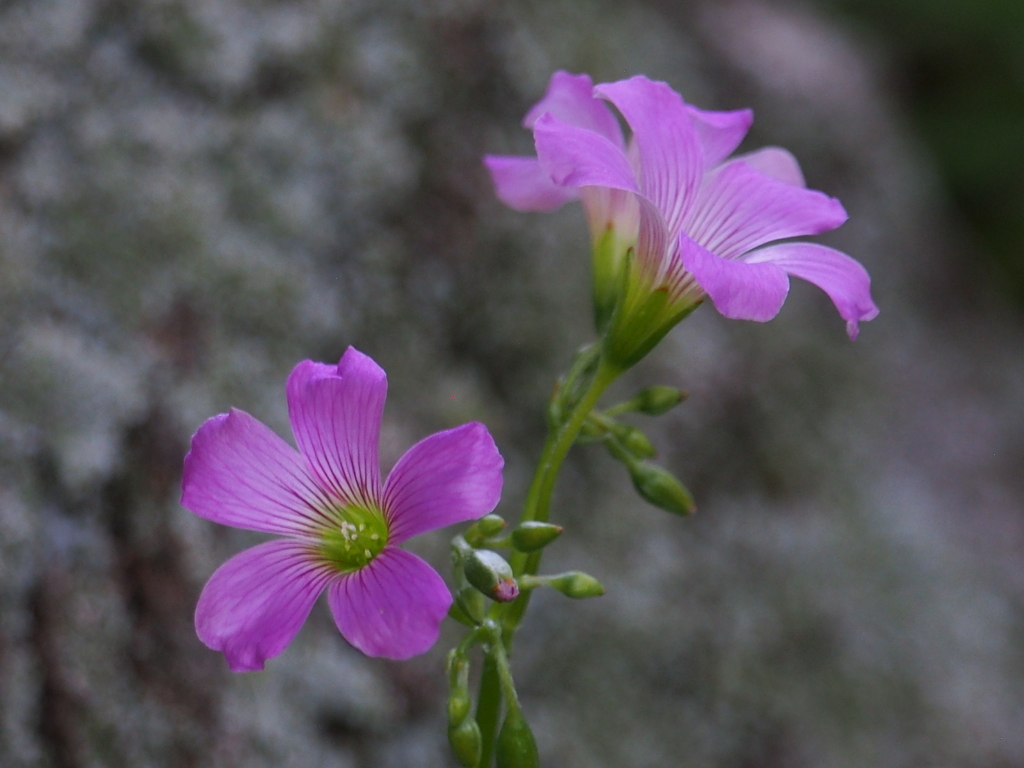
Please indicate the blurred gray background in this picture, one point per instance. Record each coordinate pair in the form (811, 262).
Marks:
(196, 194)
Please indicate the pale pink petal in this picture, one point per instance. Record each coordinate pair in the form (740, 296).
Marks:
(611, 209)
(523, 186)
(570, 98)
(335, 415)
(720, 132)
(777, 163)
(844, 279)
(393, 607)
(239, 473)
(255, 603)
(740, 208)
(447, 478)
(576, 157)
(580, 158)
(740, 291)
(670, 150)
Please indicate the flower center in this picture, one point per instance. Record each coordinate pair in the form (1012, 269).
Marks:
(360, 537)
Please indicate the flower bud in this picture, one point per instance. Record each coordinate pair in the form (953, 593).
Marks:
(491, 574)
(459, 702)
(661, 489)
(516, 746)
(655, 401)
(575, 584)
(634, 441)
(484, 528)
(466, 742)
(533, 535)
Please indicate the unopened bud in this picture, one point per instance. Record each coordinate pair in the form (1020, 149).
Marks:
(634, 441)
(459, 702)
(661, 489)
(516, 746)
(576, 584)
(533, 535)
(484, 528)
(466, 742)
(491, 574)
(655, 401)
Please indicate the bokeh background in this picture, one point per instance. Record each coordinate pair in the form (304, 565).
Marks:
(196, 194)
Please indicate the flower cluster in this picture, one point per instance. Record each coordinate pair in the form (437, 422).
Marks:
(671, 218)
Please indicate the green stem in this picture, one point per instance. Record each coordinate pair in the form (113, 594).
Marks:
(488, 708)
(537, 506)
(538, 501)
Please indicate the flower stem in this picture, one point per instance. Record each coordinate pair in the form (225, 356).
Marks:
(538, 501)
(560, 439)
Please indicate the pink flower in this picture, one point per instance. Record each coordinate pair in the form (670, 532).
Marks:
(341, 525)
(668, 208)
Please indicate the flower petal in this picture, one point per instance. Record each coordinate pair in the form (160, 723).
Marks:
(570, 98)
(671, 157)
(335, 415)
(740, 208)
(580, 158)
(393, 607)
(845, 281)
(777, 163)
(720, 132)
(255, 603)
(576, 157)
(447, 478)
(239, 473)
(523, 186)
(740, 290)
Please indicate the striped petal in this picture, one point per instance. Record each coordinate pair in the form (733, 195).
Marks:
(255, 603)
(720, 132)
(393, 607)
(239, 473)
(570, 98)
(447, 478)
(845, 281)
(336, 414)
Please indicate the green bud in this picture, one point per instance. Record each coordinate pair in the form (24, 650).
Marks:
(516, 746)
(484, 528)
(634, 441)
(459, 702)
(655, 401)
(532, 535)
(466, 742)
(575, 584)
(661, 489)
(491, 574)
(473, 603)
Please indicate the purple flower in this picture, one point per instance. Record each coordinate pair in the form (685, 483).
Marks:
(341, 525)
(672, 211)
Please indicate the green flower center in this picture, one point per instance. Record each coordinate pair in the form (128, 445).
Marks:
(361, 535)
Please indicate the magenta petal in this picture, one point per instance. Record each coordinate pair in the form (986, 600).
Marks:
(844, 279)
(576, 157)
(239, 473)
(740, 291)
(255, 603)
(570, 98)
(670, 151)
(523, 186)
(720, 132)
(393, 607)
(777, 163)
(447, 478)
(335, 415)
(740, 208)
